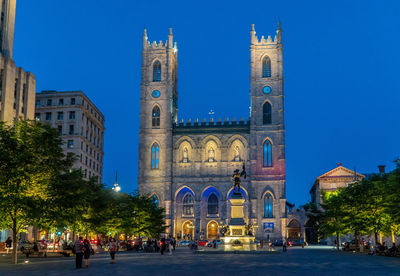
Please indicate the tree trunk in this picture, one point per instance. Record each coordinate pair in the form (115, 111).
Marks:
(376, 238)
(337, 241)
(54, 240)
(14, 242)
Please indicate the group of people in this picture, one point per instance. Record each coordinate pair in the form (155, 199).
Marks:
(167, 244)
(83, 250)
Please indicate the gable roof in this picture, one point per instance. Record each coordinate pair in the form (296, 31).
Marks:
(340, 172)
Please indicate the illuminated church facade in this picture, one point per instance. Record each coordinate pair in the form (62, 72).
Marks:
(187, 166)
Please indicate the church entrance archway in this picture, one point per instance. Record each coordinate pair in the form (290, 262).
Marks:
(212, 230)
(187, 230)
(294, 230)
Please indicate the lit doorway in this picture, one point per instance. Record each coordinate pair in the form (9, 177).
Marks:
(212, 230)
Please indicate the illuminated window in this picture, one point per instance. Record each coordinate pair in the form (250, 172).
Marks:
(267, 113)
(268, 207)
(188, 209)
(267, 154)
(155, 199)
(155, 117)
(266, 72)
(157, 71)
(212, 204)
(155, 156)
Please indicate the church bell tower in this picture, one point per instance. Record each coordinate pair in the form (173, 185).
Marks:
(267, 129)
(158, 112)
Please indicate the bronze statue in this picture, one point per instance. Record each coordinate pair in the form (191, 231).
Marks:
(236, 179)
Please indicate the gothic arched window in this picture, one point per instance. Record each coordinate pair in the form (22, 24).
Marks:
(155, 199)
(212, 204)
(188, 204)
(267, 154)
(268, 206)
(155, 156)
(266, 69)
(267, 113)
(155, 114)
(157, 71)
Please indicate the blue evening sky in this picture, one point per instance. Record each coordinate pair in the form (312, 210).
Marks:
(341, 61)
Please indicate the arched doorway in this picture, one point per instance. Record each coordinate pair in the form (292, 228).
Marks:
(294, 230)
(212, 230)
(187, 230)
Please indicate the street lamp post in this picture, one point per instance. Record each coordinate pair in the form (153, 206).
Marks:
(116, 187)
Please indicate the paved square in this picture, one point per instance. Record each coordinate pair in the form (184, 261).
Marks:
(297, 261)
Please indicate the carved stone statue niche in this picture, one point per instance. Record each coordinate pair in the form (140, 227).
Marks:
(185, 155)
(211, 155)
(236, 157)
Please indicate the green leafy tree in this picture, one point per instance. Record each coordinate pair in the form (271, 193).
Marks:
(30, 159)
(314, 216)
(332, 220)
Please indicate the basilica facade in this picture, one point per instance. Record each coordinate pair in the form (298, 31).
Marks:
(187, 166)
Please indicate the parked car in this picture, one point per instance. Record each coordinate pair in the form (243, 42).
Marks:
(278, 243)
(184, 243)
(296, 243)
(202, 242)
(211, 243)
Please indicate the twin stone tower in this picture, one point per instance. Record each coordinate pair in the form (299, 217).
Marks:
(187, 167)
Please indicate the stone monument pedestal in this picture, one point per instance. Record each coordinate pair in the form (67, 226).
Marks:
(236, 238)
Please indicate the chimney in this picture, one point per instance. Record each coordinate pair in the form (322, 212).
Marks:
(381, 168)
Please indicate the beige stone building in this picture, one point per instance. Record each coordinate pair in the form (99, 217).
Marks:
(338, 177)
(187, 166)
(17, 87)
(80, 124)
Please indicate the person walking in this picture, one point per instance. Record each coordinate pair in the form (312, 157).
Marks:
(162, 245)
(8, 244)
(78, 248)
(284, 246)
(169, 246)
(173, 243)
(87, 251)
(113, 248)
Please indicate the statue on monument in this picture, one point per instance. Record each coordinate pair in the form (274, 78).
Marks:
(236, 179)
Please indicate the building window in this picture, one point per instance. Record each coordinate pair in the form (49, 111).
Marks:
(72, 115)
(267, 113)
(267, 154)
(70, 144)
(155, 199)
(37, 116)
(188, 203)
(71, 129)
(266, 72)
(155, 156)
(72, 101)
(48, 116)
(157, 71)
(49, 102)
(60, 116)
(268, 207)
(61, 102)
(212, 204)
(155, 117)
(37, 103)
(60, 130)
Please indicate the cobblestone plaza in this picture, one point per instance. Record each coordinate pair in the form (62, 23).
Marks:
(296, 261)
